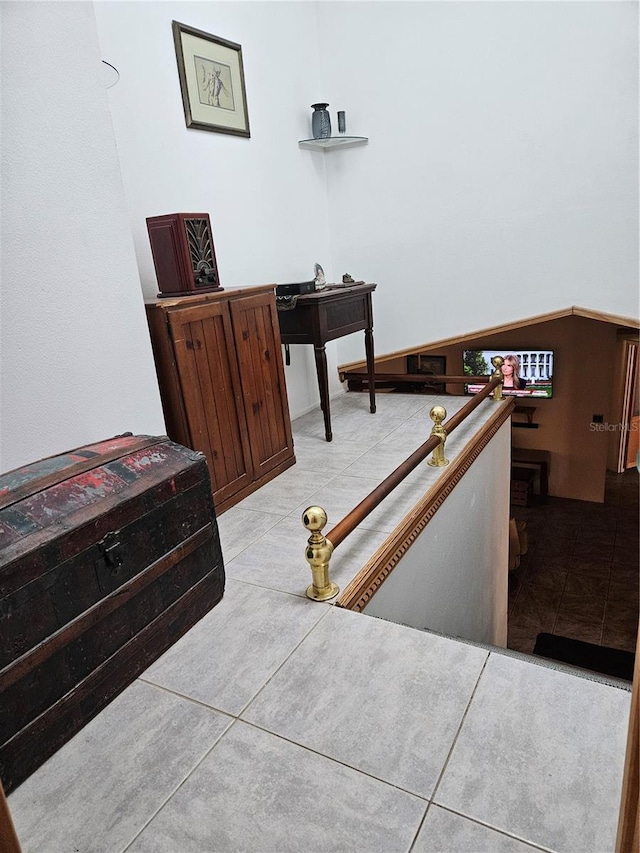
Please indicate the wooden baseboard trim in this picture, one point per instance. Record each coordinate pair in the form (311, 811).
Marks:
(573, 310)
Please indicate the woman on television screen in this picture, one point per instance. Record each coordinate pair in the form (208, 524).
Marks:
(511, 373)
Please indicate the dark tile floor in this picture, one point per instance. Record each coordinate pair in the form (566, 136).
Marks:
(580, 577)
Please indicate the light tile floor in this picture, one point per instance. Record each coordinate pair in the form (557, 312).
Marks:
(280, 724)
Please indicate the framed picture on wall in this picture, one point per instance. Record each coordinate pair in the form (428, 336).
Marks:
(434, 365)
(212, 81)
(428, 365)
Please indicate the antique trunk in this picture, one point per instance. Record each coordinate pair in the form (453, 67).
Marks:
(108, 554)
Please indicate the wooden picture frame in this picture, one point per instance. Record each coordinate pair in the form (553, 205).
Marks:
(211, 81)
(430, 365)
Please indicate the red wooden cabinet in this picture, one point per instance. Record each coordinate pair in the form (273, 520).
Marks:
(219, 365)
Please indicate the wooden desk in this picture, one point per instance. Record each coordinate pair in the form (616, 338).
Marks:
(324, 316)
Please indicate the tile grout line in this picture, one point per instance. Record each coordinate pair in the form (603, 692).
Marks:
(459, 729)
(180, 785)
(334, 760)
(421, 824)
(184, 696)
(234, 719)
(534, 845)
(202, 704)
(264, 532)
(257, 585)
(328, 608)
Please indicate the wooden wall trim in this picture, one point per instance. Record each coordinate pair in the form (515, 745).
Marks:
(216, 296)
(357, 594)
(575, 310)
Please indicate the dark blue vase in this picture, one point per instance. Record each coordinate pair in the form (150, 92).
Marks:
(320, 121)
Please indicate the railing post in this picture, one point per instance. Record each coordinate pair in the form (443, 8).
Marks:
(317, 554)
(497, 361)
(437, 415)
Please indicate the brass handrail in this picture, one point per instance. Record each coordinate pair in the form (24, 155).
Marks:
(320, 547)
(359, 513)
(448, 379)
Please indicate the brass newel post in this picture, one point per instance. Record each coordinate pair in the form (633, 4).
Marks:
(497, 361)
(437, 415)
(317, 554)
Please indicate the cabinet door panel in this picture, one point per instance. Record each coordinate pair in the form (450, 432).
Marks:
(203, 343)
(257, 338)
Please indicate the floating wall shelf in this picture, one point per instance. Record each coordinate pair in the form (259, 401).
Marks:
(333, 142)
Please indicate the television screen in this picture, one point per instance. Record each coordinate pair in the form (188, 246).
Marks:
(527, 372)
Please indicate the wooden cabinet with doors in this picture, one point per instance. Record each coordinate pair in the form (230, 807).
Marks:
(219, 364)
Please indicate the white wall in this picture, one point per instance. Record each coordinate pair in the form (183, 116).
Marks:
(266, 197)
(500, 180)
(501, 176)
(76, 360)
(454, 577)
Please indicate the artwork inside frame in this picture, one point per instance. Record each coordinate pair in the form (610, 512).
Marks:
(434, 365)
(211, 80)
(428, 365)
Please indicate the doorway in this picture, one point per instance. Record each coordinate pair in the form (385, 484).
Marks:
(627, 438)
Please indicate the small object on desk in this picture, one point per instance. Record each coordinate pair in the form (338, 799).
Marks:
(320, 280)
(347, 279)
(295, 288)
(341, 285)
(286, 303)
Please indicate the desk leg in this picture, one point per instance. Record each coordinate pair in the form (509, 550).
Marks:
(371, 368)
(323, 384)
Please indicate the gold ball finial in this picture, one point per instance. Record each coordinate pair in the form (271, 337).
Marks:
(438, 414)
(317, 554)
(497, 361)
(314, 518)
